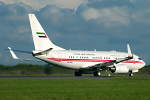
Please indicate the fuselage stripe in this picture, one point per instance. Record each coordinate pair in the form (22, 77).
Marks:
(90, 60)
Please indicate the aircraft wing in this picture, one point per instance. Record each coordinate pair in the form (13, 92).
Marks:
(111, 63)
(15, 57)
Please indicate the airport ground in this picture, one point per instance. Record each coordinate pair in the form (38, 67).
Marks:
(21, 82)
(113, 88)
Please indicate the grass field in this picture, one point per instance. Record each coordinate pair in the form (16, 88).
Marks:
(122, 88)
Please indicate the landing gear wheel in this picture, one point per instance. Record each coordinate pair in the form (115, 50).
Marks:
(78, 73)
(96, 73)
(131, 74)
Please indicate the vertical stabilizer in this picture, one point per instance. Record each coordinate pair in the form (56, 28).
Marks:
(40, 38)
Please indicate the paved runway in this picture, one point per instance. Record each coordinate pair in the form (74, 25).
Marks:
(53, 77)
(64, 77)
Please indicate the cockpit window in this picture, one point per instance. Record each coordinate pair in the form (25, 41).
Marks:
(139, 58)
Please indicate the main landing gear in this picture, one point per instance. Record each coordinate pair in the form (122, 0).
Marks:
(96, 73)
(78, 73)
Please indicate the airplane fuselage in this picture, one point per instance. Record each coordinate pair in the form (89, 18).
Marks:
(75, 59)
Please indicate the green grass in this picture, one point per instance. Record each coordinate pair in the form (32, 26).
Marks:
(122, 88)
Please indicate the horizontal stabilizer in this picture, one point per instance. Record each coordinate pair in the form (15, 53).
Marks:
(13, 54)
(27, 52)
(42, 52)
(15, 57)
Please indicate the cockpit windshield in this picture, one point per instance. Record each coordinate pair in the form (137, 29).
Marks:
(139, 58)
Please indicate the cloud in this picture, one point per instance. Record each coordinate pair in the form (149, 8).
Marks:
(23, 29)
(91, 13)
(38, 4)
(12, 13)
(53, 13)
(107, 16)
(100, 24)
(142, 16)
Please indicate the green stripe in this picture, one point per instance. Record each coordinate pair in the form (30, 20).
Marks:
(39, 33)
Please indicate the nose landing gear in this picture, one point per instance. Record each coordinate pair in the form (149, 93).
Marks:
(131, 74)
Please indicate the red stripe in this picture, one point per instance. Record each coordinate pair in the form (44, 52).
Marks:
(90, 60)
(45, 35)
(79, 60)
(131, 61)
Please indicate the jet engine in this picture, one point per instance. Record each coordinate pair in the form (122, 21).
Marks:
(119, 69)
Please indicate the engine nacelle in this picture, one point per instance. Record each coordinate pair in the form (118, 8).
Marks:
(119, 69)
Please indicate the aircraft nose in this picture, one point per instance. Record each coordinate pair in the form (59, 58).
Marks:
(143, 63)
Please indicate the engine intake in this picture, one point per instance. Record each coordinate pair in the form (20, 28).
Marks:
(119, 69)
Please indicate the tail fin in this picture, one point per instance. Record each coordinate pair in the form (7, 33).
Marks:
(40, 38)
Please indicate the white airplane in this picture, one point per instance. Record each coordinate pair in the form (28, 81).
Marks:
(82, 61)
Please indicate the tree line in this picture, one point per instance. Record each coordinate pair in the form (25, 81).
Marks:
(44, 70)
(32, 70)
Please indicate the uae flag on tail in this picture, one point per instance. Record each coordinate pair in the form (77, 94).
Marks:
(41, 34)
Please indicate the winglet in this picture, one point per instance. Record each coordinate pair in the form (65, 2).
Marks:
(129, 51)
(12, 53)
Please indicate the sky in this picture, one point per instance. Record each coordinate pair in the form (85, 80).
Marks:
(103, 25)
